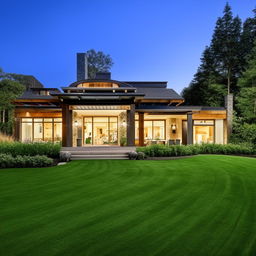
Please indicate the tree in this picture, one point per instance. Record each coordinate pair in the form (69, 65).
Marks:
(98, 62)
(206, 87)
(246, 100)
(9, 91)
(247, 38)
(227, 48)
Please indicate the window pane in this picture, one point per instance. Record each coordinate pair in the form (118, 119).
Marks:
(38, 132)
(47, 131)
(57, 131)
(57, 119)
(148, 131)
(36, 120)
(113, 133)
(113, 119)
(88, 119)
(47, 119)
(159, 130)
(136, 130)
(203, 122)
(27, 120)
(100, 119)
(88, 131)
(203, 134)
(26, 132)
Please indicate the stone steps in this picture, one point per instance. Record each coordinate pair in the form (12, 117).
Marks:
(79, 153)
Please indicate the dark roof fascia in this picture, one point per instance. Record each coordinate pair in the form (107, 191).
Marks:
(147, 84)
(40, 107)
(98, 94)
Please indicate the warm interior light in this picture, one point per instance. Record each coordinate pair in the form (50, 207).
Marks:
(76, 123)
(174, 128)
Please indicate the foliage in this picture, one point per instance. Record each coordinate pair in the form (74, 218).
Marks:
(123, 141)
(5, 138)
(65, 156)
(133, 155)
(98, 62)
(30, 149)
(182, 150)
(8, 161)
(244, 133)
(223, 62)
(246, 100)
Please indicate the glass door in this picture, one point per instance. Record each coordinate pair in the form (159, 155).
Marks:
(100, 130)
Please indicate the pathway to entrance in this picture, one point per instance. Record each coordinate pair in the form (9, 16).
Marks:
(99, 152)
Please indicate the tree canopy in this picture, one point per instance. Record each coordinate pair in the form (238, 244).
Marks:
(98, 62)
(223, 61)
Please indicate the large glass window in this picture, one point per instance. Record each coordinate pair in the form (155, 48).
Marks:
(41, 129)
(203, 131)
(153, 130)
(26, 130)
(100, 130)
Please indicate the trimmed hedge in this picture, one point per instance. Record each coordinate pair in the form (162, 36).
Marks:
(185, 150)
(30, 149)
(8, 161)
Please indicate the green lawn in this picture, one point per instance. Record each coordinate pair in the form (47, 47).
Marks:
(204, 205)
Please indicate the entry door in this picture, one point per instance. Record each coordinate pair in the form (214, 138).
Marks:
(100, 130)
(184, 132)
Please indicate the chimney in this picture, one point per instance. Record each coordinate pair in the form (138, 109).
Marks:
(81, 66)
(229, 107)
(103, 75)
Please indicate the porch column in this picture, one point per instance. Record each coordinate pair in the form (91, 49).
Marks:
(16, 132)
(131, 126)
(66, 126)
(189, 129)
(141, 129)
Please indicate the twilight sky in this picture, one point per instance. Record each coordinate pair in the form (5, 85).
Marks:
(160, 40)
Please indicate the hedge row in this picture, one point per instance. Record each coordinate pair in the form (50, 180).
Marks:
(30, 149)
(8, 161)
(182, 150)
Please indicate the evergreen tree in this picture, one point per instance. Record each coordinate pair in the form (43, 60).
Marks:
(247, 38)
(226, 47)
(246, 100)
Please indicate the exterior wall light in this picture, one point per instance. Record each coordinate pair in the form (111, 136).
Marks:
(76, 123)
(174, 128)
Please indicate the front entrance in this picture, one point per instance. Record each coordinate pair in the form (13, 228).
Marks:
(100, 130)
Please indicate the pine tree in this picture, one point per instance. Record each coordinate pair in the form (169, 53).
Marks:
(226, 47)
(247, 38)
(246, 100)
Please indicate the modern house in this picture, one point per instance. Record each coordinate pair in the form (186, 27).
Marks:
(103, 111)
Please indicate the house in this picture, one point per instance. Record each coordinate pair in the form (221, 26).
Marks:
(103, 111)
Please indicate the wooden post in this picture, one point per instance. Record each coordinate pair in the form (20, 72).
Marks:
(141, 129)
(66, 126)
(189, 128)
(131, 126)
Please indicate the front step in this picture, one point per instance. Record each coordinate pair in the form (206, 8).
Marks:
(80, 157)
(99, 152)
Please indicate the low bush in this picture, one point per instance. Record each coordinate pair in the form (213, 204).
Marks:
(8, 161)
(30, 149)
(184, 150)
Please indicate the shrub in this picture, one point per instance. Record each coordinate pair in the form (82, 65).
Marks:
(140, 156)
(132, 155)
(182, 150)
(8, 161)
(30, 149)
(65, 156)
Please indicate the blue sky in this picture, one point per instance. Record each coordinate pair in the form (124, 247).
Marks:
(159, 40)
